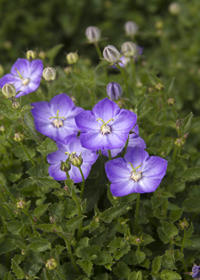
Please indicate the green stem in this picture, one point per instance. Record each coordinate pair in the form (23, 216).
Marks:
(164, 113)
(98, 49)
(70, 252)
(75, 198)
(126, 145)
(22, 145)
(174, 155)
(184, 239)
(179, 152)
(125, 79)
(137, 210)
(174, 111)
(83, 182)
(67, 174)
(133, 70)
(109, 154)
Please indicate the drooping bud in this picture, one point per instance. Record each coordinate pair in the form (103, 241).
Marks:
(183, 224)
(159, 87)
(72, 57)
(15, 104)
(2, 128)
(131, 28)
(111, 54)
(93, 34)
(179, 142)
(75, 160)
(21, 204)
(51, 264)
(52, 219)
(30, 55)
(65, 166)
(18, 137)
(170, 101)
(9, 90)
(49, 74)
(129, 49)
(114, 91)
(1, 70)
(174, 8)
(42, 55)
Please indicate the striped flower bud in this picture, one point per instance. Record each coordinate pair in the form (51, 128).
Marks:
(49, 74)
(131, 28)
(9, 90)
(72, 58)
(114, 91)
(93, 34)
(174, 8)
(30, 55)
(111, 54)
(129, 49)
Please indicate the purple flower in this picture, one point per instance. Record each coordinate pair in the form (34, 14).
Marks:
(25, 76)
(114, 91)
(106, 126)
(72, 146)
(56, 119)
(137, 172)
(134, 140)
(196, 272)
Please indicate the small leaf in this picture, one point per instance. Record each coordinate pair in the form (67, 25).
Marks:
(140, 256)
(169, 229)
(40, 210)
(17, 270)
(190, 230)
(156, 265)
(47, 147)
(175, 215)
(46, 227)
(122, 270)
(191, 174)
(169, 275)
(113, 212)
(39, 170)
(15, 227)
(191, 205)
(40, 246)
(103, 257)
(86, 265)
(75, 222)
(7, 246)
(20, 153)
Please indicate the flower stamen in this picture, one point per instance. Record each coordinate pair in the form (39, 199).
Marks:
(105, 129)
(136, 176)
(57, 122)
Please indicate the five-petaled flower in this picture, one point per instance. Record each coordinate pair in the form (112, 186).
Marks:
(136, 173)
(56, 119)
(69, 150)
(25, 76)
(106, 126)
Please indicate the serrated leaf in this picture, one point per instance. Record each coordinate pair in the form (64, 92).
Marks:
(140, 106)
(88, 253)
(47, 147)
(187, 123)
(70, 209)
(9, 276)
(190, 230)
(7, 246)
(102, 258)
(169, 229)
(191, 205)
(168, 260)
(169, 275)
(15, 227)
(122, 270)
(40, 210)
(165, 239)
(74, 222)
(40, 246)
(175, 215)
(113, 212)
(47, 182)
(39, 170)
(46, 227)
(147, 239)
(156, 265)
(86, 265)
(140, 256)
(20, 153)
(191, 174)
(17, 270)
(3, 271)
(29, 121)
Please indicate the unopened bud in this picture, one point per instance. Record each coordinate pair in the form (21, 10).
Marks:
(15, 104)
(65, 166)
(159, 24)
(129, 49)
(114, 91)
(18, 137)
(72, 58)
(170, 101)
(131, 28)
(67, 70)
(93, 34)
(159, 86)
(174, 8)
(9, 90)
(2, 128)
(42, 55)
(1, 70)
(179, 142)
(111, 54)
(21, 204)
(51, 264)
(49, 74)
(30, 55)
(75, 160)
(183, 224)
(52, 219)
(138, 240)
(139, 85)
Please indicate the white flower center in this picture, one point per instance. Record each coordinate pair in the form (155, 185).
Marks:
(105, 129)
(25, 81)
(136, 176)
(57, 123)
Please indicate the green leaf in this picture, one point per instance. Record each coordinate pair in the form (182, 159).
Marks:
(168, 260)
(40, 210)
(175, 215)
(46, 227)
(7, 246)
(15, 227)
(88, 253)
(29, 121)
(156, 266)
(168, 124)
(176, 187)
(190, 230)
(191, 205)
(3, 271)
(165, 239)
(40, 246)
(191, 174)
(147, 239)
(47, 147)
(39, 170)
(86, 265)
(169, 229)
(102, 276)
(51, 54)
(75, 222)
(122, 270)
(20, 153)
(140, 106)
(70, 209)
(169, 275)
(103, 257)
(17, 270)
(140, 256)
(113, 212)
(187, 123)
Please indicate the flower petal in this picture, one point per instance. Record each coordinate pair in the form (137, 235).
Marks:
(136, 156)
(106, 110)
(148, 184)
(36, 69)
(118, 170)
(124, 121)
(135, 140)
(122, 188)
(87, 121)
(154, 167)
(56, 173)
(7, 79)
(23, 66)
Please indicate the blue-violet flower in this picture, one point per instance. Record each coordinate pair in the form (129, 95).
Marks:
(136, 173)
(114, 91)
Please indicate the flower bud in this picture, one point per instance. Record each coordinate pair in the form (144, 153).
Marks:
(76, 160)
(9, 90)
(131, 28)
(72, 58)
(174, 8)
(49, 74)
(52, 219)
(183, 224)
(1, 70)
(2, 128)
(42, 55)
(170, 101)
(65, 166)
(93, 34)
(51, 264)
(111, 54)
(30, 55)
(179, 142)
(18, 137)
(114, 91)
(129, 49)
(15, 104)
(67, 70)
(159, 24)
(21, 204)
(159, 87)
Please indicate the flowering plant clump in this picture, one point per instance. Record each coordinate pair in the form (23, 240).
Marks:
(100, 168)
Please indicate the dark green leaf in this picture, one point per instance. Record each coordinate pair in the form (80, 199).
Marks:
(15, 227)
(20, 153)
(7, 246)
(103, 258)
(114, 212)
(169, 275)
(75, 222)
(140, 256)
(191, 174)
(46, 227)
(86, 265)
(122, 270)
(47, 147)
(40, 210)
(169, 229)
(156, 265)
(191, 205)
(17, 270)
(39, 170)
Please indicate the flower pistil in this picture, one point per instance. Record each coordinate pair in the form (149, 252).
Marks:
(57, 122)
(135, 175)
(105, 129)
